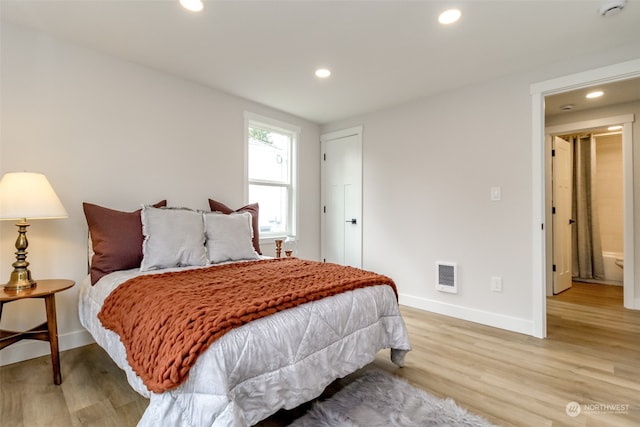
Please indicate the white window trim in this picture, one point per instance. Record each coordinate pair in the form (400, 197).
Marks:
(277, 125)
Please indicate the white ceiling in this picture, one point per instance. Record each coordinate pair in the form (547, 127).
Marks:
(381, 53)
(614, 93)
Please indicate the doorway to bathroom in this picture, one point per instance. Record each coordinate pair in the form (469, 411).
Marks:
(593, 248)
(593, 168)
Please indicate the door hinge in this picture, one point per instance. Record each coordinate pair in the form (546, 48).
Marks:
(542, 226)
(324, 209)
(554, 267)
(553, 153)
(324, 157)
(553, 210)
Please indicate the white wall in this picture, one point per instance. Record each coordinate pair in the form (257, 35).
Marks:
(428, 170)
(117, 134)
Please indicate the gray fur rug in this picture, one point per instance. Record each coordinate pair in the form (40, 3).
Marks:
(379, 399)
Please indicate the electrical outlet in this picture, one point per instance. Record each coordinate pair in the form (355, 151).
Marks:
(496, 284)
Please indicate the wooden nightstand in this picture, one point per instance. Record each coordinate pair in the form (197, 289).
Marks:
(48, 331)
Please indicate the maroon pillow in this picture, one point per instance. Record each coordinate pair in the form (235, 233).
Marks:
(253, 209)
(116, 238)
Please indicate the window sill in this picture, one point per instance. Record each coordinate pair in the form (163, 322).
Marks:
(270, 240)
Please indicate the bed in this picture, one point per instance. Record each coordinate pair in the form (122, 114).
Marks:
(278, 360)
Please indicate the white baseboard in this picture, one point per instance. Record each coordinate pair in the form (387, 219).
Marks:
(514, 324)
(29, 349)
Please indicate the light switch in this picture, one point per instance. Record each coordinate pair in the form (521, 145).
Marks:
(496, 193)
(496, 284)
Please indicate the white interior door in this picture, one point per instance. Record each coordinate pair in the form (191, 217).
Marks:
(342, 197)
(562, 188)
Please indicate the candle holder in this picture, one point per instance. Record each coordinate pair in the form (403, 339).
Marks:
(290, 246)
(278, 248)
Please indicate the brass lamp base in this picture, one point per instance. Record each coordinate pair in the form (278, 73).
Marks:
(20, 280)
(20, 276)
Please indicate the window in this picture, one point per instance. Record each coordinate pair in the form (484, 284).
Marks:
(271, 148)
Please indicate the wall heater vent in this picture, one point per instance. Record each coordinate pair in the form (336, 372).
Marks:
(447, 280)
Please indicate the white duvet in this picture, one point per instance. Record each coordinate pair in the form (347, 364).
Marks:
(278, 361)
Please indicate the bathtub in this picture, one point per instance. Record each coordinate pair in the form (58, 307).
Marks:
(613, 272)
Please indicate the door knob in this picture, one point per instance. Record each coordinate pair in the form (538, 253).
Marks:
(572, 221)
(352, 221)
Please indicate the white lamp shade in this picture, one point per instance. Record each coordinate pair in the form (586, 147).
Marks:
(28, 195)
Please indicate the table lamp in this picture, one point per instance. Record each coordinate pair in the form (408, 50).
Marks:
(25, 195)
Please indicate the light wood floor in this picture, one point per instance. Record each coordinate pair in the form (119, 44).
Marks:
(591, 356)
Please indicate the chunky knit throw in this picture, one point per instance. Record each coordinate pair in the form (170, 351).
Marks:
(165, 321)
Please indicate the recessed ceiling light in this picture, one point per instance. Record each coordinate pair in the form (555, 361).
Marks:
(595, 94)
(567, 107)
(192, 5)
(449, 16)
(323, 73)
(616, 127)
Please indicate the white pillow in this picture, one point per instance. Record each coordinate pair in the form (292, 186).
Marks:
(172, 238)
(229, 236)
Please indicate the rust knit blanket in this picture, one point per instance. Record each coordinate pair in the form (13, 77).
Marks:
(165, 321)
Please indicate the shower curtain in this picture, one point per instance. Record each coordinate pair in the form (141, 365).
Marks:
(587, 248)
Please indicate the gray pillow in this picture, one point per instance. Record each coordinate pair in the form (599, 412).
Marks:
(229, 237)
(172, 238)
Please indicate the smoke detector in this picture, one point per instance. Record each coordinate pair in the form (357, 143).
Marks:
(612, 7)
